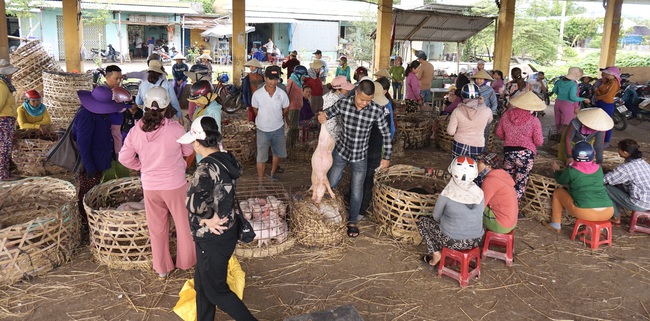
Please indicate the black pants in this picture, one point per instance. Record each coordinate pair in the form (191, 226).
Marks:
(375, 145)
(210, 279)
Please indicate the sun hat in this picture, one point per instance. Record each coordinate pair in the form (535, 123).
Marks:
(205, 56)
(198, 72)
(574, 73)
(528, 101)
(382, 73)
(340, 82)
(100, 101)
(156, 66)
(379, 98)
(6, 68)
(614, 71)
(596, 119)
(451, 88)
(196, 132)
(273, 72)
(482, 74)
(490, 159)
(179, 56)
(316, 64)
(253, 63)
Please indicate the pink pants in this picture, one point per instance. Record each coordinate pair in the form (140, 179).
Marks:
(157, 204)
(564, 112)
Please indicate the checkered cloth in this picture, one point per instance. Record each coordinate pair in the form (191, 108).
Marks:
(459, 149)
(635, 175)
(352, 143)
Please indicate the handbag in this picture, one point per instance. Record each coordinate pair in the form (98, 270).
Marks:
(65, 152)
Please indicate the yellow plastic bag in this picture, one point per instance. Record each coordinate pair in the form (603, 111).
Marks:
(186, 306)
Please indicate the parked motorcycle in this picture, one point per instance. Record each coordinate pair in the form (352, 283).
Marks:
(644, 110)
(101, 55)
(621, 115)
(228, 95)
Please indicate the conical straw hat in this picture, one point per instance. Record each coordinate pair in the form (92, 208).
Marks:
(596, 119)
(528, 101)
(482, 74)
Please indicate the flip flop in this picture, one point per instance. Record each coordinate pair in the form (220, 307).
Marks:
(353, 231)
(425, 261)
(615, 222)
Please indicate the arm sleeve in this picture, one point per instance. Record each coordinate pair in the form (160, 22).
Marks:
(392, 121)
(22, 120)
(439, 208)
(385, 133)
(453, 123)
(493, 101)
(138, 99)
(563, 177)
(488, 190)
(568, 139)
(598, 146)
(116, 132)
(538, 136)
(573, 93)
(173, 99)
(246, 93)
(128, 155)
(200, 193)
(500, 132)
(254, 101)
(46, 118)
(618, 176)
(84, 127)
(333, 111)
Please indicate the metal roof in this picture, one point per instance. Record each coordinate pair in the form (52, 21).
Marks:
(135, 6)
(434, 25)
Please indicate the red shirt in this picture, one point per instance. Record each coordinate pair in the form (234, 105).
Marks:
(316, 85)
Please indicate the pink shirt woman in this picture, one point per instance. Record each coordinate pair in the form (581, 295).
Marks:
(412, 82)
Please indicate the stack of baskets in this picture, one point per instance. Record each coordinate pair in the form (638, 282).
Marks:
(118, 239)
(443, 140)
(60, 95)
(537, 200)
(240, 138)
(397, 211)
(415, 129)
(39, 227)
(31, 59)
(321, 224)
(29, 153)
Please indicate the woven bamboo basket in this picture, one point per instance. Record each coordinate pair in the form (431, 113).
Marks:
(60, 95)
(415, 129)
(443, 140)
(119, 239)
(240, 138)
(29, 154)
(273, 237)
(31, 59)
(318, 225)
(397, 211)
(537, 200)
(39, 227)
(611, 160)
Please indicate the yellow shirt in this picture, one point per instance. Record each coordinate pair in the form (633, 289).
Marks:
(7, 102)
(27, 121)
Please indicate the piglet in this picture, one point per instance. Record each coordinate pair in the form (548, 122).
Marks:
(321, 161)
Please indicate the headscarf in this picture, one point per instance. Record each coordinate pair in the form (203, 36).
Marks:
(34, 111)
(464, 192)
(312, 73)
(8, 83)
(297, 79)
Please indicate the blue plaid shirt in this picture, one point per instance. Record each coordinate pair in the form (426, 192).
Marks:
(356, 124)
(635, 176)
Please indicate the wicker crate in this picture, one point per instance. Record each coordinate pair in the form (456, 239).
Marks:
(240, 138)
(39, 227)
(32, 60)
(416, 129)
(60, 95)
(29, 155)
(537, 200)
(397, 211)
(318, 225)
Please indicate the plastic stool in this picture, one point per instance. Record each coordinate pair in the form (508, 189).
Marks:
(464, 258)
(592, 232)
(634, 227)
(507, 240)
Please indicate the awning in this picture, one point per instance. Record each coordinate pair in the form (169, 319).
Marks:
(270, 20)
(221, 31)
(170, 8)
(433, 25)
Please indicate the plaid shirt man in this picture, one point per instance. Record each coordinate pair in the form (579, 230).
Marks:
(352, 144)
(635, 175)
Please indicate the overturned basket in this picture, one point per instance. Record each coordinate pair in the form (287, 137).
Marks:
(537, 200)
(321, 224)
(415, 129)
(273, 236)
(31, 59)
(39, 227)
(118, 239)
(397, 211)
(240, 138)
(60, 95)
(29, 155)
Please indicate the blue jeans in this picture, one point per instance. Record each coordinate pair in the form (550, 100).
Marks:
(397, 91)
(609, 109)
(621, 199)
(356, 181)
(426, 95)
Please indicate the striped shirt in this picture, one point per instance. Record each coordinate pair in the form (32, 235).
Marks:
(352, 144)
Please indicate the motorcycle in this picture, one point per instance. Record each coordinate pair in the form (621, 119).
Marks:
(101, 55)
(644, 110)
(228, 95)
(621, 115)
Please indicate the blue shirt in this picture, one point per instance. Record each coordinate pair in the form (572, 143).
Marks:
(145, 86)
(92, 133)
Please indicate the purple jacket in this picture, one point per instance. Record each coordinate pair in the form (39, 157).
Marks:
(94, 140)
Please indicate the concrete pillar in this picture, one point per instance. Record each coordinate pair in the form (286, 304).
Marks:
(72, 34)
(503, 42)
(610, 33)
(238, 39)
(382, 41)
(4, 40)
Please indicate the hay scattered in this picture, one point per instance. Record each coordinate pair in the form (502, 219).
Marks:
(318, 224)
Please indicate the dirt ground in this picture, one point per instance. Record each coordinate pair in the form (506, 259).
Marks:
(552, 277)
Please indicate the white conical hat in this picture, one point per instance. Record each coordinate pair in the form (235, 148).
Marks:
(595, 118)
(528, 101)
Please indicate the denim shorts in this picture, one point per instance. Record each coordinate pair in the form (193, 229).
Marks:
(275, 139)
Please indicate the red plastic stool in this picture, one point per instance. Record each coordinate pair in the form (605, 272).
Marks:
(464, 258)
(635, 227)
(592, 232)
(507, 240)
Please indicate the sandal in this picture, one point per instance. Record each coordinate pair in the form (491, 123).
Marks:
(353, 230)
(616, 222)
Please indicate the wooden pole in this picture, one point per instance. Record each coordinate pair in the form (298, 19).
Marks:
(238, 40)
(382, 41)
(72, 34)
(610, 33)
(4, 40)
(503, 43)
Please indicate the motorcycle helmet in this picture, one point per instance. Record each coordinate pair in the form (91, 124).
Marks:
(463, 168)
(121, 96)
(470, 91)
(358, 71)
(300, 70)
(159, 95)
(199, 89)
(583, 152)
(32, 95)
(224, 78)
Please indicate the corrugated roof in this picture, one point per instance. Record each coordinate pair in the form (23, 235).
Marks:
(431, 25)
(144, 7)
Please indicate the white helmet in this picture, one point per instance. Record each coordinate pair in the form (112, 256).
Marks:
(159, 95)
(463, 168)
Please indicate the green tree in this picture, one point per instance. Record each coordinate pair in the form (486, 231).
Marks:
(207, 5)
(363, 44)
(21, 8)
(579, 29)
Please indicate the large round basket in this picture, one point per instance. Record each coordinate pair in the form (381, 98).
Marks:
(398, 210)
(415, 129)
(536, 202)
(118, 239)
(443, 140)
(269, 222)
(29, 154)
(60, 95)
(318, 225)
(39, 227)
(239, 137)
(31, 59)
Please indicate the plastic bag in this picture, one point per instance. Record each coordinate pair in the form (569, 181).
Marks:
(186, 306)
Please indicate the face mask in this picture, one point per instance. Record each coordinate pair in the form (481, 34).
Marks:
(341, 95)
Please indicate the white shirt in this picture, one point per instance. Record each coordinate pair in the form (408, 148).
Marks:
(138, 42)
(269, 47)
(269, 108)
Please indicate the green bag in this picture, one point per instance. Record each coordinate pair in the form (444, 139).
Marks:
(116, 171)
